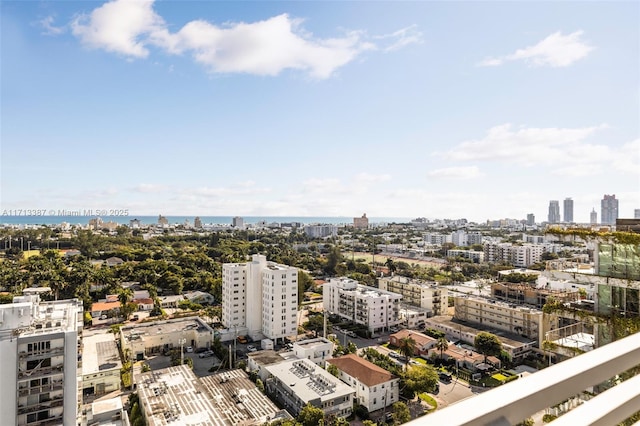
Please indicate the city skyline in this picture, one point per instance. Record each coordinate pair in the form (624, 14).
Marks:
(425, 109)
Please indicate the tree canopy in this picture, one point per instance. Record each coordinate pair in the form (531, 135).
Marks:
(487, 344)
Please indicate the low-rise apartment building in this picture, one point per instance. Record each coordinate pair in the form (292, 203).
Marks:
(519, 320)
(316, 350)
(473, 255)
(427, 295)
(372, 307)
(530, 294)
(296, 383)
(375, 387)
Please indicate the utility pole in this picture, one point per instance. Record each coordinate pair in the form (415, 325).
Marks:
(182, 342)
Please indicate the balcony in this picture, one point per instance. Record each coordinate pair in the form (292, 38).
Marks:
(24, 391)
(513, 402)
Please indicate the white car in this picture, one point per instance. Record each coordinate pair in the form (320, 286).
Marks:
(188, 349)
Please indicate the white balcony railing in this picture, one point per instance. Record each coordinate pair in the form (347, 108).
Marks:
(518, 400)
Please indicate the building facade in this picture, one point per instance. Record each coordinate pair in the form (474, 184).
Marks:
(609, 210)
(427, 295)
(593, 217)
(372, 307)
(316, 350)
(518, 320)
(361, 222)
(375, 387)
(568, 210)
(261, 296)
(554, 212)
(39, 347)
(321, 231)
(475, 256)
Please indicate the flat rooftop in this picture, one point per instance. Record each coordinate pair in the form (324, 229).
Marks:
(309, 381)
(166, 327)
(100, 353)
(312, 343)
(266, 357)
(237, 399)
(175, 396)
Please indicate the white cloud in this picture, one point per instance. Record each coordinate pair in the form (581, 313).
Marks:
(456, 173)
(401, 38)
(528, 146)
(556, 50)
(563, 150)
(267, 47)
(150, 188)
(49, 28)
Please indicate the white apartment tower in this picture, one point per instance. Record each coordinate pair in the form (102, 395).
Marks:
(39, 344)
(261, 296)
(377, 309)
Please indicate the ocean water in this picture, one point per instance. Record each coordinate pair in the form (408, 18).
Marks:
(83, 219)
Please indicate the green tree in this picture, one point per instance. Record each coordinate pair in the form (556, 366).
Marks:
(127, 309)
(400, 413)
(333, 370)
(418, 379)
(260, 385)
(442, 345)
(407, 347)
(487, 344)
(311, 416)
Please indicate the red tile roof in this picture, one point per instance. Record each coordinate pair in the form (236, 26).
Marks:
(363, 370)
(420, 339)
(104, 306)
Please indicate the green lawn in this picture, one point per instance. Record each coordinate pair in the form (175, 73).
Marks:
(421, 360)
(429, 400)
(499, 376)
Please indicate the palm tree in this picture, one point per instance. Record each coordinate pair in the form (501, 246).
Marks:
(407, 347)
(442, 345)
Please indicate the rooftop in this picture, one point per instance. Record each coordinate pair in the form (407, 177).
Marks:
(507, 339)
(312, 343)
(99, 353)
(309, 381)
(420, 339)
(363, 370)
(179, 325)
(266, 357)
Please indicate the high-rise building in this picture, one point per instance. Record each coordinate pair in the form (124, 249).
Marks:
(593, 218)
(361, 222)
(39, 357)
(636, 213)
(554, 211)
(238, 222)
(568, 210)
(197, 222)
(608, 210)
(531, 219)
(261, 296)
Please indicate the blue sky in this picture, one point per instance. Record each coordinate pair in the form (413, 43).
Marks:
(399, 109)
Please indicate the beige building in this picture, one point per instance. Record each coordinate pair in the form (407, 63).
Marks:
(154, 337)
(427, 295)
(361, 222)
(530, 294)
(518, 320)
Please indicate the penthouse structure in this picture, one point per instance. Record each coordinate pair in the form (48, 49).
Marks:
(426, 295)
(39, 347)
(261, 296)
(375, 308)
(296, 383)
(527, 294)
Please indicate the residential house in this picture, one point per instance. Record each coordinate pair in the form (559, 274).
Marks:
(423, 342)
(375, 387)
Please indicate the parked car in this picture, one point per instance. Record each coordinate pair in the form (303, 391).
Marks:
(135, 318)
(242, 339)
(188, 349)
(103, 317)
(205, 354)
(444, 377)
(251, 348)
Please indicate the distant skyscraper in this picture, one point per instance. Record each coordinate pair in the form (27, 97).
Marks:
(594, 217)
(568, 210)
(609, 210)
(238, 222)
(554, 211)
(636, 214)
(531, 219)
(197, 222)
(361, 222)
